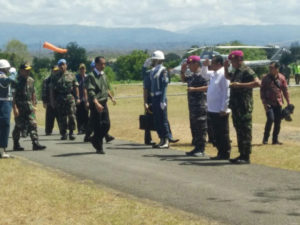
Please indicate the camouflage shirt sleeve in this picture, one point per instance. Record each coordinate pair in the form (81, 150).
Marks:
(249, 75)
(75, 82)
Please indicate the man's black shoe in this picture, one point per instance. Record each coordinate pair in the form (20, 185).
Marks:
(218, 157)
(172, 140)
(71, 137)
(240, 160)
(195, 153)
(277, 143)
(80, 132)
(87, 139)
(265, 140)
(150, 143)
(48, 133)
(36, 146)
(109, 138)
(64, 137)
(100, 151)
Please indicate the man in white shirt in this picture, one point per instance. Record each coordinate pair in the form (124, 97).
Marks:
(217, 105)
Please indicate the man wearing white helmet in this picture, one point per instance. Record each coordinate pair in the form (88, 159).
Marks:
(5, 105)
(159, 82)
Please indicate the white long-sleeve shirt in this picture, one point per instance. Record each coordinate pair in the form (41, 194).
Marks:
(218, 91)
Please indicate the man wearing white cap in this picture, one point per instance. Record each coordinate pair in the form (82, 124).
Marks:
(5, 106)
(159, 82)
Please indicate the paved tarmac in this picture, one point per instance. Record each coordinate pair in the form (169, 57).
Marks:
(239, 195)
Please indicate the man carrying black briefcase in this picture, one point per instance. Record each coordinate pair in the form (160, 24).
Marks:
(146, 121)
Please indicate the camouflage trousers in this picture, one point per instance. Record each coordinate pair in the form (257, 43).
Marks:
(199, 131)
(26, 121)
(66, 116)
(243, 126)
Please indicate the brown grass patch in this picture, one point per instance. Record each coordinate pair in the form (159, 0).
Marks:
(34, 195)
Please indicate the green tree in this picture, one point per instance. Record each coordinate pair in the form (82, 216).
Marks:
(41, 63)
(172, 60)
(74, 56)
(39, 77)
(129, 67)
(17, 52)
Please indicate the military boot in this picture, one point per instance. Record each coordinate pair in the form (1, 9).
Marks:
(17, 146)
(36, 146)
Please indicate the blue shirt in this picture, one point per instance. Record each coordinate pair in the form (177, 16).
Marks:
(81, 82)
(159, 82)
(5, 87)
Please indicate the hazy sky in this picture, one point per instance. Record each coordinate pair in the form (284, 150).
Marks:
(165, 14)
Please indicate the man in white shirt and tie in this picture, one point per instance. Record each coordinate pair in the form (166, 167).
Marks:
(217, 105)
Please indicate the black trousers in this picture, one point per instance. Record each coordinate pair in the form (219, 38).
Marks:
(273, 116)
(51, 115)
(100, 122)
(297, 78)
(82, 117)
(220, 127)
(210, 131)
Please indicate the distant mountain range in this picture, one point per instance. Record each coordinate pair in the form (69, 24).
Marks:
(146, 38)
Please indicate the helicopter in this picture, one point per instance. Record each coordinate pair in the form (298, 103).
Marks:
(208, 52)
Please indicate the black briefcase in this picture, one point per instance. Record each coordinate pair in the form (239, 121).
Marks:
(146, 122)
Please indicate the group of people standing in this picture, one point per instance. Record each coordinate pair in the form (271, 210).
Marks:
(17, 93)
(214, 91)
(64, 96)
(69, 98)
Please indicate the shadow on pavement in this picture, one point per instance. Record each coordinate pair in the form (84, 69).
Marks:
(187, 160)
(75, 154)
(73, 143)
(124, 148)
(42, 139)
(130, 146)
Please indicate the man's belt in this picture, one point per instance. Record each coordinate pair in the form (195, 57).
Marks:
(6, 99)
(156, 93)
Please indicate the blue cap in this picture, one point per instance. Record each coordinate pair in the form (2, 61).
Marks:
(93, 64)
(61, 61)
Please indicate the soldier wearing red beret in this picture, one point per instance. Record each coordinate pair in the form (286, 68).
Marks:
(243, 80)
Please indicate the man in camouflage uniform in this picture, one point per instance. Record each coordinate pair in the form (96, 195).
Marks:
(243, 80)
(24, 103)
(64, 86)
(48, 101)
(197, 86)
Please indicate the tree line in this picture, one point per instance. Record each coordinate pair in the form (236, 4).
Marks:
(125, 68)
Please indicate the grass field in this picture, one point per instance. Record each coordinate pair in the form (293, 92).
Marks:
(124, 125)
(31, 194)
(124, 119)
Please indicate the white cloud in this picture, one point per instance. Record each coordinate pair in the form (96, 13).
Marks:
(165, 14)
